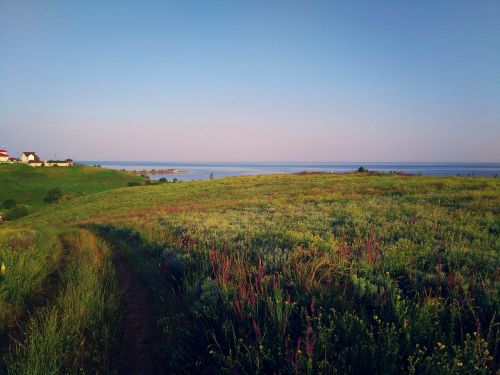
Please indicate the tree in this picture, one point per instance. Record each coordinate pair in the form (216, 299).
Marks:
(54, 195)
(362, 169)
(9, 203)
(163, 180)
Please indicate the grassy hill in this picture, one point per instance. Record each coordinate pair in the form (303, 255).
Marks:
(311, 273)
(28, 186)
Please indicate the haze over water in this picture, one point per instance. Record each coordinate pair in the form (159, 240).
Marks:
(202, 171)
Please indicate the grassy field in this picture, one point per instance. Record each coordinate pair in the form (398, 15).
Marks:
(34, 253)
(28, 186)
(314, 273)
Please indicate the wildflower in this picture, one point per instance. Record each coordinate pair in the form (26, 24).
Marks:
(309, 342)
(256, 328)
(2, 269)
(237, 306)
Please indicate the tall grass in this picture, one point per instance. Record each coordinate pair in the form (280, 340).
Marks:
(281, 274)
(32, 260)
(78, 332)
(368, 274)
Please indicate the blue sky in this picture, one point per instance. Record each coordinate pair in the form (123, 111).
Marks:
(251, 81)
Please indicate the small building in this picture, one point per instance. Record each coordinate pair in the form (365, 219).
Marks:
(4, 156)
(59, 163)
(30, 157)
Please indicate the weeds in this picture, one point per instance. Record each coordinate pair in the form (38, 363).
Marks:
(362, 273)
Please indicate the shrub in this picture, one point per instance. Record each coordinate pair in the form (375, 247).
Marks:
(54, 195)
(9, 203)
(16, 213)
(163, 180)
(134, 183)
(362, 169)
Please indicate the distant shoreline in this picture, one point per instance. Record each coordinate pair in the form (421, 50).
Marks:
(157, 171)
(205, 171)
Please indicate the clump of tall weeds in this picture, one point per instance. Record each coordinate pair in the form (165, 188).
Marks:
(78, 331)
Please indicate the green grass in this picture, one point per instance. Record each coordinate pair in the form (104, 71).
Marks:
(296, 273)
(78, 332)
(31, 250)
(29, 186)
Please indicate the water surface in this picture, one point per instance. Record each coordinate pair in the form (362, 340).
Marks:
(202, 171)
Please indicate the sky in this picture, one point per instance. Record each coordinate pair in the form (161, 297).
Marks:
(402, 81)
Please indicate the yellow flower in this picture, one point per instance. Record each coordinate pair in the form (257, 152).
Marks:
(2, 269)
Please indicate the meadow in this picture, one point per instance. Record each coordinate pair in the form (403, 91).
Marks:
(300, 274)
(28, 186)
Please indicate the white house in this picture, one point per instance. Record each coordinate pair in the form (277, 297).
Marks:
(30, 157)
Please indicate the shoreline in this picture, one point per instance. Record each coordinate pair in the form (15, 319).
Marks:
(157, 171)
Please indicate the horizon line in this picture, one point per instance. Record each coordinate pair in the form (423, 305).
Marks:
(292, 162)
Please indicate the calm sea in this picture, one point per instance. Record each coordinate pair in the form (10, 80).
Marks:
(202, 171)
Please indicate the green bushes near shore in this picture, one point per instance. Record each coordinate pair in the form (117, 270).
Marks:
(53, 195)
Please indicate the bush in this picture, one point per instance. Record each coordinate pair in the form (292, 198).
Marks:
(16, 213)
(362, 169)
(163, 180)
(54, 195)
(134, 183)
(9, 203)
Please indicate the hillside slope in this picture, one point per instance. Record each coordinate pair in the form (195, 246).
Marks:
(285, 273)
(29, 186)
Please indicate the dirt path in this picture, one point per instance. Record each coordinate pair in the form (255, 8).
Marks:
(139, 322)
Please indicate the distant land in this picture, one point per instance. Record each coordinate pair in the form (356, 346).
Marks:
(189, 171)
